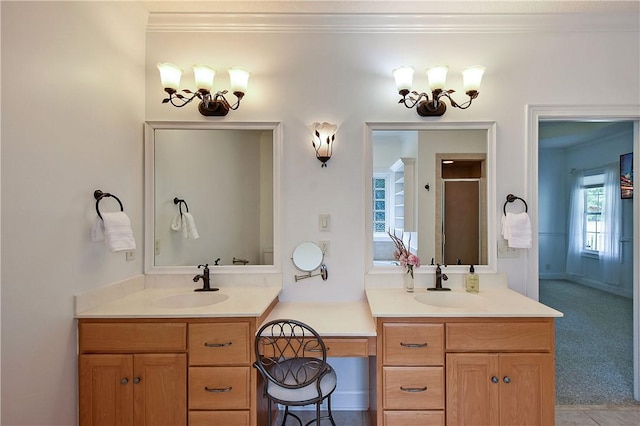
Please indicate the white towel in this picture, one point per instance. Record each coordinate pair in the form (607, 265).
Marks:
(516, 229)
(97, 230)
(190, 225)
(185, 223)
(117, 231)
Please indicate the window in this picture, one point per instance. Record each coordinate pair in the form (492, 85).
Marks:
(594, 226)
(380, 203)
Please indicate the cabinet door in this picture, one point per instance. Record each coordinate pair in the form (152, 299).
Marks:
(473, 384)
(160, 389)
(106, 390)
(527, 394)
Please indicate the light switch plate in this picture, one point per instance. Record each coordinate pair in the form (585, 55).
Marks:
(323, 221)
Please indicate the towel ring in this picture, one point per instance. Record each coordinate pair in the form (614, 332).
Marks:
(99, 195)
(179, 202)
(510, 199)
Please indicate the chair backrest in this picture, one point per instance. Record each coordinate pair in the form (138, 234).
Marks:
(290, 353)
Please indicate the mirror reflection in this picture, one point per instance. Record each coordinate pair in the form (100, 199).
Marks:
(212, 196)
(430, 185)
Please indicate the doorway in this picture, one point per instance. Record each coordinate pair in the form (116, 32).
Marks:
(537, 266)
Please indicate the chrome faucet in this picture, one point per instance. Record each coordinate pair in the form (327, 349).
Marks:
(439, 278)
(206, 279)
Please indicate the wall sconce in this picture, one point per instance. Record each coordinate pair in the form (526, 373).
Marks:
(211, 104)
(324, 135)
(437, 75)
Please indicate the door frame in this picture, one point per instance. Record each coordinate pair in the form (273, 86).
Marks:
(536, 113)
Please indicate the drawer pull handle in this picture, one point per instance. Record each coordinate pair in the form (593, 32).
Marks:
(217, 345)
(506, 379)
(402, 388)
(494, 379)
(318, 350)
(413, 345)
(124, 381)
(137, 380)
(218, 390)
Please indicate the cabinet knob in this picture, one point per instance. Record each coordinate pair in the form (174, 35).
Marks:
(494, 379)
(506, 379)
(137, 380)
(124, 381)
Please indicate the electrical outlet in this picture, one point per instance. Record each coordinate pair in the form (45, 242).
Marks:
(505, 251)
(130, 255)
(324, 246)
(156, 247)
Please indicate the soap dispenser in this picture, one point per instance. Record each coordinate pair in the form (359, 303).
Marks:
(472, 281)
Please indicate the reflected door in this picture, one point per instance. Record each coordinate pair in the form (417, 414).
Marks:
(461, 221)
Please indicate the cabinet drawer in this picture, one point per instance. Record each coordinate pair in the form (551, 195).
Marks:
(413, 344)
(413, 418)
(219, 343)
(413, 388)
(347, 347)
(132, 337)
(226, 418)
(500, 336)
(219, 388)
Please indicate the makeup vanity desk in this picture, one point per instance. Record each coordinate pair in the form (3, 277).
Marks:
(347, 328)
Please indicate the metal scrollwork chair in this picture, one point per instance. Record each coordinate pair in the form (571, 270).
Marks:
(292, 359)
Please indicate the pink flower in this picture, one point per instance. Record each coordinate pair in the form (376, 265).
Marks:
(413, 260)
(404, 256)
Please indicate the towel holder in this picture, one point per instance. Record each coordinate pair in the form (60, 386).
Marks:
(510, 199)
(99, 195)
(180, 202)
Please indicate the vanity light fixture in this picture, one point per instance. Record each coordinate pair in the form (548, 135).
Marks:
(211, 104)
(435, 106)
(324, 136)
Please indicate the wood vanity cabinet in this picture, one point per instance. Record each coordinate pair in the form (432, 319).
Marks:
(500, 372)
(172, 372)
(465, 371)
(132, 374)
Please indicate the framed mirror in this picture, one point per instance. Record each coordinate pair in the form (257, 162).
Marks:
(212, 195)
(434, 185)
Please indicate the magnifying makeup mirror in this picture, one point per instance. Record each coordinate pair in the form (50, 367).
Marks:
(308, 257)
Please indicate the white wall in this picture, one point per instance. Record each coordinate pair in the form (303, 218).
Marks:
(73, 123)
(73, 108)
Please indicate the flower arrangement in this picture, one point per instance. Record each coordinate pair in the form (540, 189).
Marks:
(403, 255)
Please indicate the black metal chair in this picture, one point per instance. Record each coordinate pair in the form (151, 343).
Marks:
(292, 359)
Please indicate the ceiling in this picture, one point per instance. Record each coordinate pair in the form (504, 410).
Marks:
(393, 6)
(559, 134)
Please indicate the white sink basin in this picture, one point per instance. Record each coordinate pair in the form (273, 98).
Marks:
(189, 300)
(449, 299)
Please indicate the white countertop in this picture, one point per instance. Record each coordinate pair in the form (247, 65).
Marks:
(329, 318)
(241, 302)
(491, 301)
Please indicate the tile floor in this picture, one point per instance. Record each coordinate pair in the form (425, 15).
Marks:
(566, 415)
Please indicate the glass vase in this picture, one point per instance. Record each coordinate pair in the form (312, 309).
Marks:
(408, 282)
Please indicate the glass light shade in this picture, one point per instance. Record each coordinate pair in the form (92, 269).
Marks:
(239, 79)
(327, 132)
(472, 77)
(403, 77)
(437, 77)
(204, 77)
(170, 76)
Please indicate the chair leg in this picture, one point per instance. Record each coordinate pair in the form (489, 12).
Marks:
(330, 412)
(269, 414)
(318, 414)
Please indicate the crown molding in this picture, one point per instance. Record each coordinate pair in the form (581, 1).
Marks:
(391, 23)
